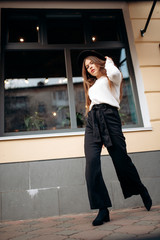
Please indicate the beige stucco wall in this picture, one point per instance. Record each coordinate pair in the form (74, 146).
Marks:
(148, 52)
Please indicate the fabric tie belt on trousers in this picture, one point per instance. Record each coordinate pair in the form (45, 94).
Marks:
(100, 128)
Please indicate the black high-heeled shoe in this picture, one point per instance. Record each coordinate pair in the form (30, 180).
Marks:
(146, 199)
(103, 216)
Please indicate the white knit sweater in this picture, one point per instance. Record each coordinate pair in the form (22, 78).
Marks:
(101, 92)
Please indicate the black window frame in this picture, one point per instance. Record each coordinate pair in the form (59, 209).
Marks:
(42, 45)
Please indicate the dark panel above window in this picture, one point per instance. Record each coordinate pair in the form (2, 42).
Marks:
(65, 29)
(62, 26)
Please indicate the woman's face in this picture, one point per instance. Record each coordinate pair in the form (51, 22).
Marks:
(92, 68)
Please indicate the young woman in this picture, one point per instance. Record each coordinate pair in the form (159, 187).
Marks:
(103, 91)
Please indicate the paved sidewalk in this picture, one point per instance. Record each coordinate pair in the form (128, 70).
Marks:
(125, 224)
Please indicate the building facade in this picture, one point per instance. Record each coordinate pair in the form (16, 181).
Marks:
(42, 104)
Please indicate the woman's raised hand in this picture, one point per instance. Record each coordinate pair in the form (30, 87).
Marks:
(108, 58)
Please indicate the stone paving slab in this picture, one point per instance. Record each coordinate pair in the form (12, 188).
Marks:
(125, 224)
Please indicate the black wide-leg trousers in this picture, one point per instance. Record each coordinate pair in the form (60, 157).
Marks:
(126, 171)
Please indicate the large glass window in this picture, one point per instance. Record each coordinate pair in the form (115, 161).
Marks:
(36, 96)
(43, 85)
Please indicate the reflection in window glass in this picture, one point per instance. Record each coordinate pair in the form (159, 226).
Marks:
(65, 29)
(78, 90)
(79, 101)
(36, 103)
(23, 30)
(127, 110)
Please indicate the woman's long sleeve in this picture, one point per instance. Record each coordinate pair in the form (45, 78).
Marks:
(113, 72)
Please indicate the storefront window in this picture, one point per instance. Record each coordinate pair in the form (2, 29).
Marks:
(43, 85)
